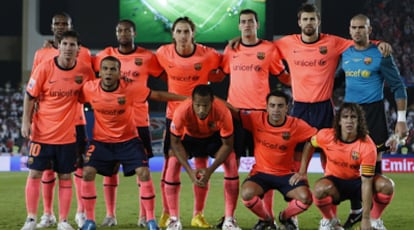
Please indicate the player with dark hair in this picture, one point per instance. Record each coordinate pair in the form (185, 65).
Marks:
(202, 127)
(62, 22)
(187, 64)
(249, 66)
(350, 170)
(115, 136)
(366, 72)
(54, 86)
(276, 135)
(313, 58)
(138, 64)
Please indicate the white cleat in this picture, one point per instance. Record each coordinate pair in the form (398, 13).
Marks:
(46, 221)
(378, 224)
(174, 224)
(80, 219)
(330, 224)
(30, 224)
(230, 224)
(109, 222)
(142, 222)
(64, 225)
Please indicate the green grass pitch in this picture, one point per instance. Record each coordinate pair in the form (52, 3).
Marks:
(398, 216)
(216, 20)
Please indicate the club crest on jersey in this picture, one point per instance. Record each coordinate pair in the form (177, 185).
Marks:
(86, 159)
(78, 79)
(138, 61)
(367, 60)
(286, 135)
(197, 66)
(261, 55)
(323, 50)
(30, 160)
(355, 155)
(121, 100)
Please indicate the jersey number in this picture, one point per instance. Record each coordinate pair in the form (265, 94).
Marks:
(34, 149)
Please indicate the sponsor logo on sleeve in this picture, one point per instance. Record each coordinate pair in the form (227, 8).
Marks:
(31, 84)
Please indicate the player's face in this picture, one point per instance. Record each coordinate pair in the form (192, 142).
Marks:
(125, 33)
(248, 25)
(309, 23)
(348, 122)
(110, 74)
(277, 110)
(69, 48)
(359, 30)
(60, 24)
(201, 106)
(182, 34)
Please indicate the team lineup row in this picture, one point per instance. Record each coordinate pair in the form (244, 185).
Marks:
(253, 117)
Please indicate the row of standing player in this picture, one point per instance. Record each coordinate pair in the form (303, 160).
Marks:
(249, 41)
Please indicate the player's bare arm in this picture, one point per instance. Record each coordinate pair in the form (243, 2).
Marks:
(28, 107)
(306, 156)
(221, 155)
(401, 128)
(366, 190)
(166, 96)
(179, 152)
(234, 111)
(234, 42)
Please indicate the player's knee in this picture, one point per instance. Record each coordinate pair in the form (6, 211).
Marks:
(65, 176)
(250, 201)
(321, 188)
(48, 175)
(305, 197)
(170, 153)
(89, 173)
(247, 193)
(143, 173)
(384, 185)
(35, 174)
